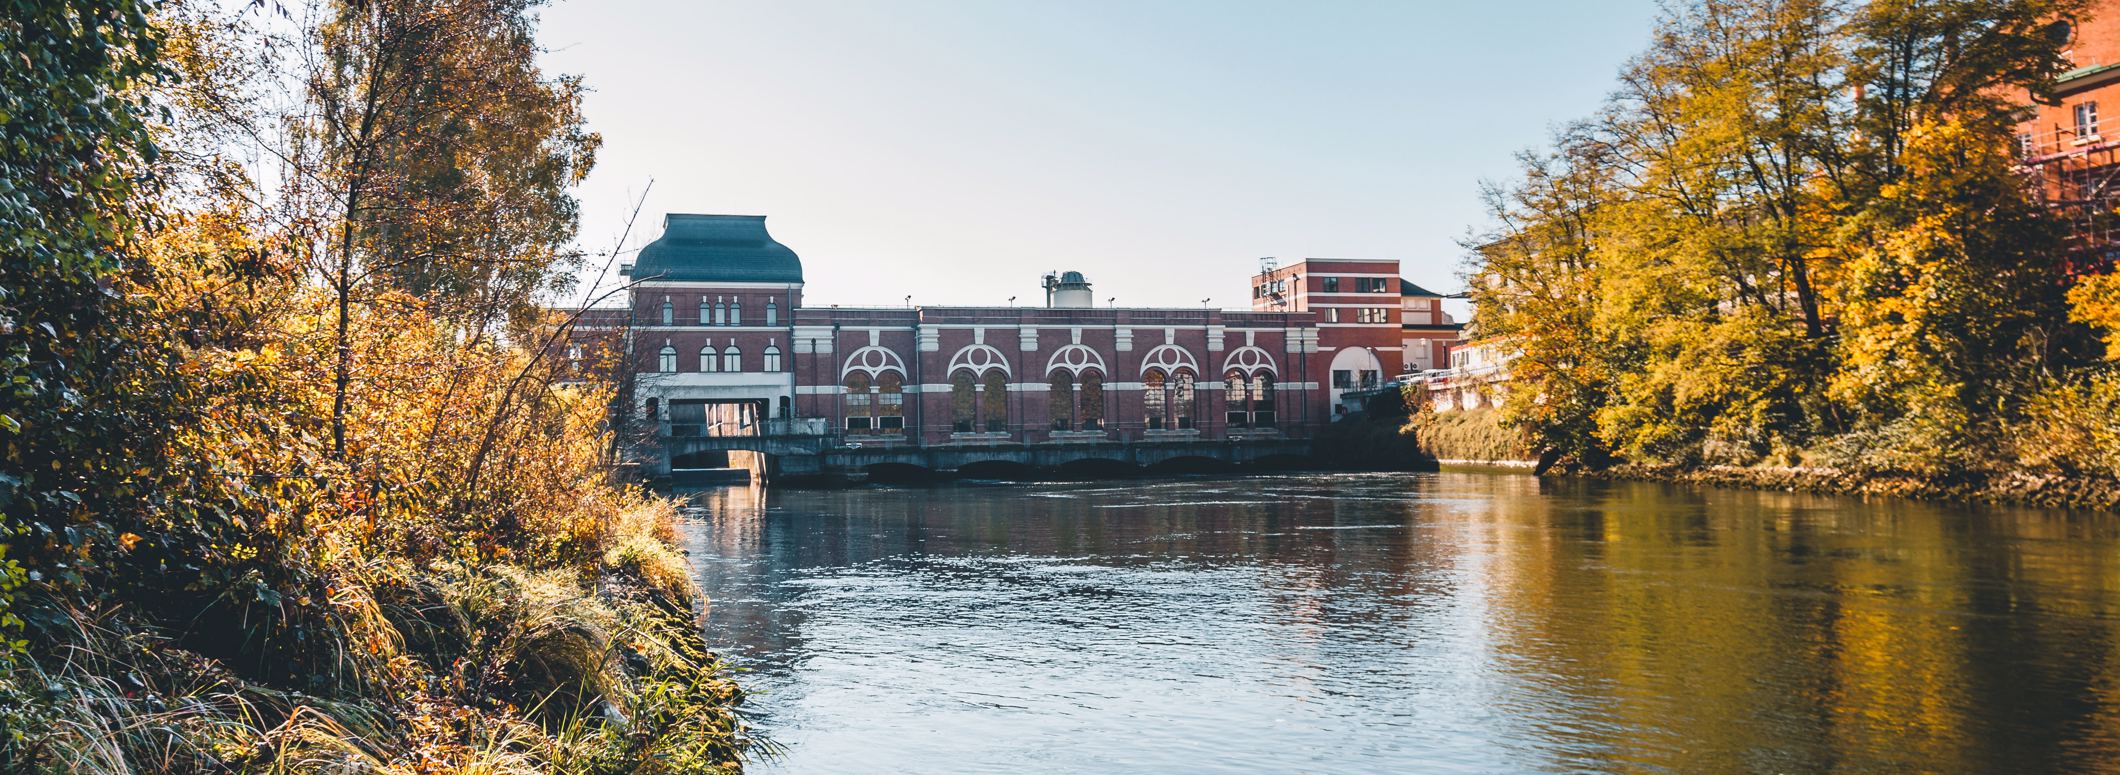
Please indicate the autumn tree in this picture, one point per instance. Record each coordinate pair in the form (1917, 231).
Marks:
(436, 158)
(74, 148)
(1747, 284)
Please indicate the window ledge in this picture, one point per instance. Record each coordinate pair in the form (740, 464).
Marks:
(875, 439)
(981, 436)
(1184, 433)
(1078, 435)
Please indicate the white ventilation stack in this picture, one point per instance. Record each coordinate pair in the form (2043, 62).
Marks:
(1068, 290)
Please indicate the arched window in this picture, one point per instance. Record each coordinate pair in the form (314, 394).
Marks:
(1262, 401)
(890, 403)
(709, 360)
(706, 312)
(731, 358)
(666, 360)
(1060, 400)
(1090, 401)
(721, 312)
(1167, 399)
(964, 402)
(772, 356)
(669, 317)
(772, 312)
(993, 406)
(860, 404)
(736, 311)
(1181, 399)
(1155, 399)
(653, 409)
(1236, 395)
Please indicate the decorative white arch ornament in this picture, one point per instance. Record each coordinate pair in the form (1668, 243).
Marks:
(874, 361)
(1169, 358)
(979, 359)
(1249, 361)
(1075, 359)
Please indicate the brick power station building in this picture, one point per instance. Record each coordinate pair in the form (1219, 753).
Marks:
(720, 348)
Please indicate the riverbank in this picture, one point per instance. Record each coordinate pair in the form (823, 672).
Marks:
(2009, 487)
(394, 666)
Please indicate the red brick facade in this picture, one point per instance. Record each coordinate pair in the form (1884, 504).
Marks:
(981, 375)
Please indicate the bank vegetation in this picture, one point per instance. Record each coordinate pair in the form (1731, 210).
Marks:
(1798, 245)
(290, 482)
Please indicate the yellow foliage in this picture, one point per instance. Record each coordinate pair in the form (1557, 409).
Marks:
(2095, 301)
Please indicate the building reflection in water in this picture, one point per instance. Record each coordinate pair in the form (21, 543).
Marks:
(1462, 621)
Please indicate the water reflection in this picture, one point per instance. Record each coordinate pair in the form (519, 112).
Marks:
(1421, 622)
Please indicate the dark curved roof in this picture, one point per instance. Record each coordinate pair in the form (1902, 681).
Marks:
(717, 248)
(1072, 277)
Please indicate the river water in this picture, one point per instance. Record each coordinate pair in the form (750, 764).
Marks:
(1453, 622)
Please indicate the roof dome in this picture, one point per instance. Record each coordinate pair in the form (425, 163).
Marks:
(1072, 277)
(717, 248)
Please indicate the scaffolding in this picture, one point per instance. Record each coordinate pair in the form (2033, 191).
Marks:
(2077, 177)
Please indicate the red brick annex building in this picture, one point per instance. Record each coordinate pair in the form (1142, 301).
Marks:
(721, 345)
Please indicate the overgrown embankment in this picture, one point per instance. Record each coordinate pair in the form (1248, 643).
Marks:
(1468, 436)
(2014, 487)
(292, 476)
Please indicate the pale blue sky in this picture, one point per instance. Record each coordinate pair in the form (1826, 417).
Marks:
(958, 150)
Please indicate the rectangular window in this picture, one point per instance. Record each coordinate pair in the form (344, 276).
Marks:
(1332, 285)
(1422, 303)
(2086, 120)
(1372, 315)
(1372, 285)
(2027, 146)
(891, 423)
(1332, 314)
(1342, 379)
(857, 423)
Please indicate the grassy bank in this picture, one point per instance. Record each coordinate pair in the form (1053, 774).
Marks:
(293, 475)
(396, 667)
(1469, 436)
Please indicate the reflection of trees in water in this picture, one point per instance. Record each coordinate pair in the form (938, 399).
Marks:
(1604, 626)
(1711, 630)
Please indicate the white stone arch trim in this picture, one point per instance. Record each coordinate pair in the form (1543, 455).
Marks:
(1250, 361)
(1075, 359)
(874, 361)
(979, 359)
(1170, 358)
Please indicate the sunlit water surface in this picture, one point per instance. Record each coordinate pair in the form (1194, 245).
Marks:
(1456, 622)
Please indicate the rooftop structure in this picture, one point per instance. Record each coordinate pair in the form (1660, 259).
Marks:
(716, 248)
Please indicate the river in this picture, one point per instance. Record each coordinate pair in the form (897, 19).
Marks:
(1371, 623)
